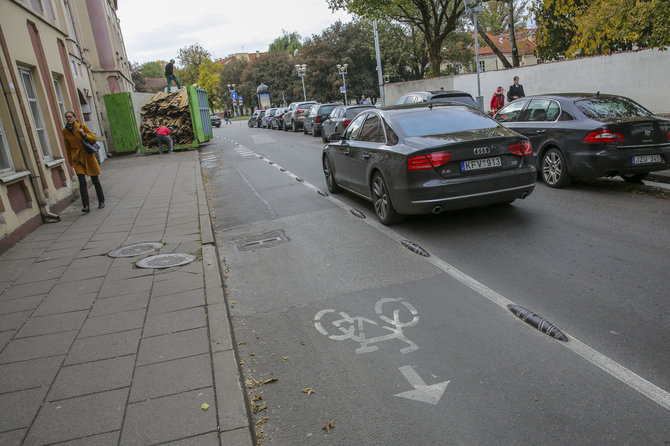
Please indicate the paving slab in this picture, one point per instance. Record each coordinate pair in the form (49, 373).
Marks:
(180, 320)
(13, 321)
(113, 323)
(92, 377)
(78, 417)
(237, 437)
(83, 286)
(183, 282)
(232, 413)
(211, 439)
(108, 439)
(12, 438)
(171, 377)
(5, 337)
(29, 374)
(130, 286)
(102, 347)
(40, 270)
(37, 347)
(179, 301)
(19, 408)
(56, 323)
(120, 304)
(21, 304)
(173, 346)
(65, 304)
(28, 289)
(169, 418)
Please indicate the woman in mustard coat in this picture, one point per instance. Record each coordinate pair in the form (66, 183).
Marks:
(84, 163)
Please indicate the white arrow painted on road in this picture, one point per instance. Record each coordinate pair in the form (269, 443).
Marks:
(422, 392)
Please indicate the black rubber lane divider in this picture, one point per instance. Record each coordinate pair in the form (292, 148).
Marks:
(300, 180)
(415, 248)
(357, 213)
(538, 322)
(322, 193)
(282, 169)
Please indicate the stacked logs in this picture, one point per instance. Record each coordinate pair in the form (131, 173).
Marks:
(170, 110)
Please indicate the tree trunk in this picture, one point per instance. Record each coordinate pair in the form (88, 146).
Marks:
(495, 49)
(435, 58)
(512, 35)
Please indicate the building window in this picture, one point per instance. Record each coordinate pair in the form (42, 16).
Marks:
(36, 112)
(70, 23)
(61, 101)
(37, 6)
(5, 157)
(74, 68)
(482, 66)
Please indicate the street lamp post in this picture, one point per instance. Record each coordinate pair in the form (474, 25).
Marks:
(233, 96)
(342, 69)
(474, 10)
(302, 69)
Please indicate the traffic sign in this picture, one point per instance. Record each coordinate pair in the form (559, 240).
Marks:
(233, 95)
(343, 89)
(239, 99)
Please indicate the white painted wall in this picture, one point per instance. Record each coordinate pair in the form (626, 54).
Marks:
(640, 75)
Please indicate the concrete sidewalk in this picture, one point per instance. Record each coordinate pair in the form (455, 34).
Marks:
(95, 351)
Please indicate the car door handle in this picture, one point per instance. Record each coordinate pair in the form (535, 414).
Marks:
(540, 131)
(366, 156)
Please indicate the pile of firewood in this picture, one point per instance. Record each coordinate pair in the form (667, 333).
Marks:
(169, 110)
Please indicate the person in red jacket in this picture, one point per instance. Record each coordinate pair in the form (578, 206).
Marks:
(163, 135)
(498, 100)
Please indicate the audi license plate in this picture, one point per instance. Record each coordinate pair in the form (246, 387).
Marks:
(484, 163)
(647, 159)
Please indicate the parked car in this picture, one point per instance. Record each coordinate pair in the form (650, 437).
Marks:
(216, 121)
(340, 118)
(416, 97)
(586, 135)
(316, 114)
(429, 158)
(255, 119)
(295, 115)
(267, 118)
(278, 119)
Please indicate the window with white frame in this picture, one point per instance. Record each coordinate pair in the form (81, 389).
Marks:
(61, 101)
(36, 112)
(482, 66)
(5, 157)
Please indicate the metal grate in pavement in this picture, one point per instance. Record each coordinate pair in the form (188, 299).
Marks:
(165, 260)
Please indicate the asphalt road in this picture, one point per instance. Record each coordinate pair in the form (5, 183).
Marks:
(351, 326)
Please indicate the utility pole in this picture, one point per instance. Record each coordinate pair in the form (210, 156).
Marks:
(380, 77)
(512, 35)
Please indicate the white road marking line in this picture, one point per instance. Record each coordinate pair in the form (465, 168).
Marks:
(596, 358)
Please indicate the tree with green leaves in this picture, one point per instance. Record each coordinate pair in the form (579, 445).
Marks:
(287, 43)
(138, 77)
(435, 19)
(209, 79)
(154, 69)
(190, 58)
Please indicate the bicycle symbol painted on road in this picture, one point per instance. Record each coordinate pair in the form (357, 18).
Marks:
(353, 327)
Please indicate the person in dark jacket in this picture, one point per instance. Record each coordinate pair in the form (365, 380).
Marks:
(170, 76)
(515, 90)
(84, 163)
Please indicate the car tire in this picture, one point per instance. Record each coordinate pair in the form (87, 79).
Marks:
(635, 178)
(323, 137)
(554, 169)
(381, 200)
(333, 187)
(249, 124)
(294, 127)
(314, 132)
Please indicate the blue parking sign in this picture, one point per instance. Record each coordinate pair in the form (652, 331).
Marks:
(233, 95)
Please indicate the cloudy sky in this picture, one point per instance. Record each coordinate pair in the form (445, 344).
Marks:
(157, 29)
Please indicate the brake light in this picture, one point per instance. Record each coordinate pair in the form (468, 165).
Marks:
(298, 111)
(318, 119)
(604, 136)
(346, 122)
(522, 148)
(668, 135)
(428, 161)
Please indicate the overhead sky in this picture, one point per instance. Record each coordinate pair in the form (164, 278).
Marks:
(157, 29)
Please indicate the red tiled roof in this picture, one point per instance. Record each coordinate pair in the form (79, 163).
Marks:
(524, 42)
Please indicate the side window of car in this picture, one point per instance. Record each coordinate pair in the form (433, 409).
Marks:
(553, 111)
(536, 110)
(565, 116)
(391, 137)
(511, 112)
(371, 131)
(353, 130)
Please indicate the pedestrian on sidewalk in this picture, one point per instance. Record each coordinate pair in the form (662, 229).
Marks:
(515, 90)
(226, 116)
(170, 76)
(84, 162)
(163, 135)
(498, 100)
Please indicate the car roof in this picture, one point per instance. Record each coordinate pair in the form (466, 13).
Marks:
(422, 105)
(439, 92)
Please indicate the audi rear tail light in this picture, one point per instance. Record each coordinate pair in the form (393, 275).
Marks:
(428, 161)
(604, 135)
(346, 122)
(523, 148)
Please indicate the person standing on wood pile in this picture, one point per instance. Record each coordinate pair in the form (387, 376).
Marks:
(163, 135)
(84, 163)
(169, 75)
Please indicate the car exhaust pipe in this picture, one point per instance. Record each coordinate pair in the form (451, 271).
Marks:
(524, 195)
(437, 210)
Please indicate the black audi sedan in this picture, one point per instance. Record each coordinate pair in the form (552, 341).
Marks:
(587, 136)
(428, 158)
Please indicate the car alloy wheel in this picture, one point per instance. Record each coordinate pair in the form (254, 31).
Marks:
(330, 179)
(554, 169)
(382, 201)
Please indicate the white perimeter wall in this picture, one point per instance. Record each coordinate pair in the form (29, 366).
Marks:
(641, 75)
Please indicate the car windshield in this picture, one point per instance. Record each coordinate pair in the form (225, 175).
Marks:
(326, 109)
(441, 120)
(611, 107)
(305, 105)
(462, 99)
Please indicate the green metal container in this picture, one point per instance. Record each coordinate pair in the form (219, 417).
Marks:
(122, 122)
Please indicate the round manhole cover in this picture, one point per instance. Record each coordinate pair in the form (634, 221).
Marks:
(136, 249)
(165, 260)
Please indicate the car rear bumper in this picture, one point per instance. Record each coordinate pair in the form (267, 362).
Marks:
(466, 192)
(610, 162)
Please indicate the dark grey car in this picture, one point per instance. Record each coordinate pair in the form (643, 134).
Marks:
(340, 118)
(586, 135)
(429, 158)
(315, 117)
(417, 97)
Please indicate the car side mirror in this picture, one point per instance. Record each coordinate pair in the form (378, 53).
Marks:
(334, 137)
